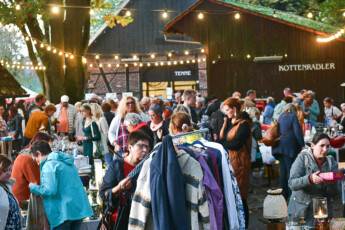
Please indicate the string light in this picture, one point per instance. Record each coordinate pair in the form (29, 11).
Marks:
(153, 56)
(128, 13)
(156, 64)
(42, 45)
(181, 62)
(135, 57)
(187, 61)
(49, 48)
(27, 38)
(55, 9)
(332, 37)
(54, 51)
(141, 64)
(91, 65)
(126, 65)
(97, 56)
(64, 66)
(200, 15)
(248, 55)
(135, 64)
(109, 65)
(117, 65)
(100, 65)
(17, 7)
(92, 12)
(116, 57)
(165, 14)
(35, 42)
(66, 55)
(169, 63)
(71, 56)
(237, 16)
(202, 50)
(309, 15)
(186, 52)
(344, 14)
(84, 60)
(148, 64)
(169, 54)
(175, 62)
(162, 63)
(60, 53)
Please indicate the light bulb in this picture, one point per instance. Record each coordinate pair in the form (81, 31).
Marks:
(97, 56)
(237, 16)
(186, 52)
(54, 51)
(17, 7)
(202, 50)
(165, 14)
(60, 53)
(169, 54)
(153, 56)
(200, 15)
(55, 9)
(116, 57)
(128, 13)
(309, 15)
(92, 12)
(126, 65)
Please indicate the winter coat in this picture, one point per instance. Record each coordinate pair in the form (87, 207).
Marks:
(63, 194)
(314, 111)
(213, 107)
(268, 113)
(167, 186)
(71, 115)
(291, 144)
(238, 141)
(301, 202)
(217, 121)
(278, 110)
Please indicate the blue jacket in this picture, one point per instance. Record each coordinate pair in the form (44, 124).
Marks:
(64, 197)
(314, 110)
(167, 187)
(268, 113)
(291, 144)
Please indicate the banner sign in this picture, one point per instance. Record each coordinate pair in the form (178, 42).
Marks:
(307, 67)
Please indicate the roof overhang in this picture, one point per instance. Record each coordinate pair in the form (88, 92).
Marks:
(168, 28)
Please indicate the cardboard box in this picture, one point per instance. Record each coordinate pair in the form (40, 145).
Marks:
(332, 176)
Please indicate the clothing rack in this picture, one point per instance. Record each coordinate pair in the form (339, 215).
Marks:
(135, 173)
(201, 131)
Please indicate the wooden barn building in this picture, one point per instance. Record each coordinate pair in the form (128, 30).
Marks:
(138, 58)
(253, 47)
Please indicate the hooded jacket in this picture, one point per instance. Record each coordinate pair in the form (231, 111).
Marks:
(303, 191)
(64, 197)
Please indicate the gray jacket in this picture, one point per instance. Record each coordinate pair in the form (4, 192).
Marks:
(301, 203)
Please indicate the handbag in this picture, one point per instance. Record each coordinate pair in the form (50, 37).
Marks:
(271, 135)
(97, 146)
(122, 219)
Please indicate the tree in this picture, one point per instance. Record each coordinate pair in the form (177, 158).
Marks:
(67, 29)
(327, 11)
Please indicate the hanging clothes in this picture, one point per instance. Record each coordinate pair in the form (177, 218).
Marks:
(231, 189)
(168, 196)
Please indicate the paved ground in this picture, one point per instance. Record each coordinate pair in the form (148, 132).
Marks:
(255, 203)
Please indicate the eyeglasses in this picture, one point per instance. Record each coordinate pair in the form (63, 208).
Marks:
(141, 146)
(130, 103)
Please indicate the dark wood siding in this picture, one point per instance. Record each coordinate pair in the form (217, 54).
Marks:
(143, 36)
(228, 42)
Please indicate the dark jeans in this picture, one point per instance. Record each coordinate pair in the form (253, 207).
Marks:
(285, 166)
(108, 158)
(68, 224)
(26, 141)
(246, 212)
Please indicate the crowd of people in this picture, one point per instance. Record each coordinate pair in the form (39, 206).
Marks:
(131, 128)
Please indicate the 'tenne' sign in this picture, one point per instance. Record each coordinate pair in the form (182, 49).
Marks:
(183, 73)
(306, 67)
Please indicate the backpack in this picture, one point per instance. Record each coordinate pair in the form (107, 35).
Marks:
(271, 136)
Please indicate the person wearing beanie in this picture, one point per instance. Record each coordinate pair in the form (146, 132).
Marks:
(66, 117)
(158, 125)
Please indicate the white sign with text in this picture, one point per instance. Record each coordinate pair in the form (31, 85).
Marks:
(307, 67)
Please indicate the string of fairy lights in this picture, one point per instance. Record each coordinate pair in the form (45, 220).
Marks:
(55, 9)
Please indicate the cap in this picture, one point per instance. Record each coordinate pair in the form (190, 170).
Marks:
(311, 92)
(64, 98)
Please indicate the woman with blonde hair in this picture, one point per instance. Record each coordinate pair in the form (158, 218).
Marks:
(102, 124)
(118, 133)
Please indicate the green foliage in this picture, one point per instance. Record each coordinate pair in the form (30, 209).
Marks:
(326, 11)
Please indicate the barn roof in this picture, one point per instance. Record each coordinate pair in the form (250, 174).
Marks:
(9, 86)
(290, 19)
(144, 35)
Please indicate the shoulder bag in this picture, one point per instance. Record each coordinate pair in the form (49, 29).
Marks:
(271, 136)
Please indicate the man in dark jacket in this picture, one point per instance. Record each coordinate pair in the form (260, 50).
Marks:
(214, 106)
